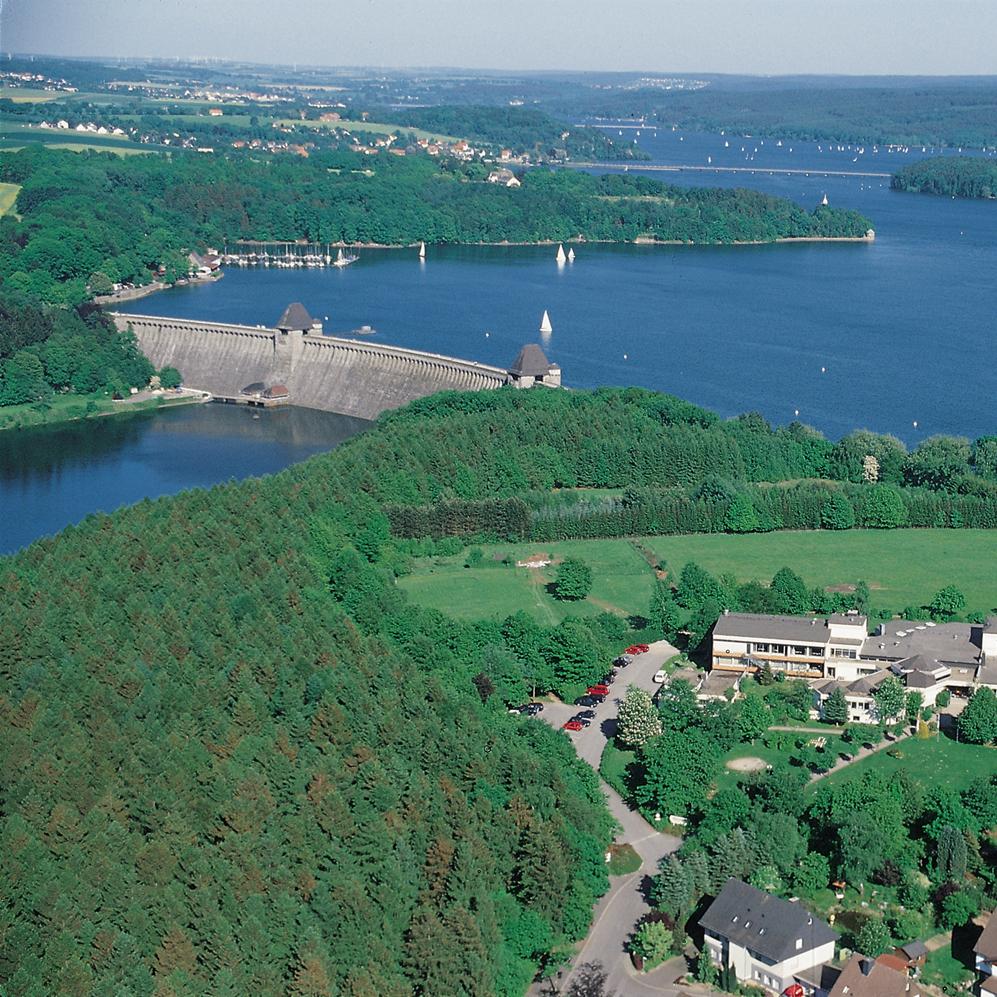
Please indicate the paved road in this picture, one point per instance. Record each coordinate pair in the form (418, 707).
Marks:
(626, 901)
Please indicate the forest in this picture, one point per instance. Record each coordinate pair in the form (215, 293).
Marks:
(515, 128)
(236, 760)
(930, 113)
(953, 176)
(94, 217)
(46, 349)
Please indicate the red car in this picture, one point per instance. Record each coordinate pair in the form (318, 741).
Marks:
(598, 690)
(638, 649)
(573, 725)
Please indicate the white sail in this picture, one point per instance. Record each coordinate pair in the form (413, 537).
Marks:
(339, 255)
(560, 253)
(422, 250)
(545, 325)
(571, 256)
(824, 200)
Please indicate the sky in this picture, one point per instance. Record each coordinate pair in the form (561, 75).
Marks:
(908, 37)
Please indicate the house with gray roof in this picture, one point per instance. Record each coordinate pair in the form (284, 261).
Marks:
(765, 940)
(926, 656)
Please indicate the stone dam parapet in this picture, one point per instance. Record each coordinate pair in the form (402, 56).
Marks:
(347, 376)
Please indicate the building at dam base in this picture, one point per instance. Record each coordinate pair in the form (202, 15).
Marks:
(312, 370)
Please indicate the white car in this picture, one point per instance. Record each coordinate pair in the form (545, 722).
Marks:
(659, 677)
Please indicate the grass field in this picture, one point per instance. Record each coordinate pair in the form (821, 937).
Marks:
(622, 582)
(26, 95)
(18, 136)
(939, 761)
(71, 408)
(8, 195)
(902, 567)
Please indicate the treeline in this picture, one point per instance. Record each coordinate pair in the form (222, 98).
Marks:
(955, 176)
(938, 115)
(516, 128)
(87, 216)
(679, 468)
(44, 350)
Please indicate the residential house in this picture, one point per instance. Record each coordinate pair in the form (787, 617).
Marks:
(763, 939)
(504, 177)
(985, 953)
(865, 977)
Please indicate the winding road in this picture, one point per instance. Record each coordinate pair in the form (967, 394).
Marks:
(626, 902)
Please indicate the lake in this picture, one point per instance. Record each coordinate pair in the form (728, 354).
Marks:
(881, 335)
(56, 475)
(884, 335)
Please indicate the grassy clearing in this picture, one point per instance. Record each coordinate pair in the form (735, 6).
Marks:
(622, 582)
(17, 136)
(939, 761)
(8, 195)
(902, 567)
(26, 95)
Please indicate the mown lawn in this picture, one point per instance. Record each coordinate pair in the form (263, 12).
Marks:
(622, 582)
(28, 95)
(901, 567)
(939, 761)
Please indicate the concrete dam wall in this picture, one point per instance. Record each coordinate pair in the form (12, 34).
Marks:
(321, 372)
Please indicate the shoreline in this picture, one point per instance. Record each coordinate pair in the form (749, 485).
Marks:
(121, 407)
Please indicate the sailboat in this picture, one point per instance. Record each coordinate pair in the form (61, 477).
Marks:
(571, 256)
(545, 327)
(560, 253)
(422, 250)
(342, 260)
(824, 200)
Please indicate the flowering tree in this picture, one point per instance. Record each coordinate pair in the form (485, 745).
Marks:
(638, 720)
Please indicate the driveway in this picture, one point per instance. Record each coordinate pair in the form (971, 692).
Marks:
(626, 902)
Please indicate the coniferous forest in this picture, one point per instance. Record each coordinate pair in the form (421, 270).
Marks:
(235, 760)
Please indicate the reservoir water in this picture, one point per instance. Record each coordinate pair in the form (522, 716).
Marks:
(881, 335)
(53, 476)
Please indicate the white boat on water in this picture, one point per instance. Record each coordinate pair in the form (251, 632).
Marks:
(342, 260)
(571, 256)
(422, 250)
(545, 327)
(560, 253)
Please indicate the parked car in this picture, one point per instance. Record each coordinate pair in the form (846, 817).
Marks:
(659, 677)
(608, 679)
(623, 660)
(573, 725)
(638, 649)
(598, 690)
(532, 709)
(584, 721)
(586, 701)
(587, 714)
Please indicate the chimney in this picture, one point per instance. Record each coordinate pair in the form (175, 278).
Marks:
(866, 966)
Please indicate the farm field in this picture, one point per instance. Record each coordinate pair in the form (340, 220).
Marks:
(27, 95)
(18, 136)
(901, 567)
(8, 195)
(622, 582)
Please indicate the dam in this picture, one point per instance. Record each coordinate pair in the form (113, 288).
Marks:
(295, 361)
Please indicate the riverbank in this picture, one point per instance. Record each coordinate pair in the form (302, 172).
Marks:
(76, 408)
(137, 293)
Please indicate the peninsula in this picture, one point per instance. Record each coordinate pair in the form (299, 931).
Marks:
(952, 176)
